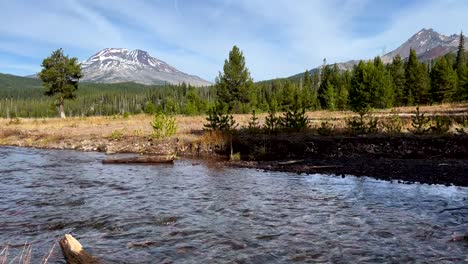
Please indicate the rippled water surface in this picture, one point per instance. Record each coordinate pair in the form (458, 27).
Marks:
(196, 212)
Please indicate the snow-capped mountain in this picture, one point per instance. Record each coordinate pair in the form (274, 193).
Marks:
(427, 43)
(113, 65)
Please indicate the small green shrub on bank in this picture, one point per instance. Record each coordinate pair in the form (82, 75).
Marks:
(115, 135)
(393, 125)
(325, 129)
(441, 124)
(217, 120)
(420, 123)
(272, 123)
(163, 126)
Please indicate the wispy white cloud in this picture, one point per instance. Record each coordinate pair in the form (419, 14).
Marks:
(279, 38)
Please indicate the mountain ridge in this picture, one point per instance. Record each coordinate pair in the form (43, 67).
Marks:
(428, 44)
(113, 65)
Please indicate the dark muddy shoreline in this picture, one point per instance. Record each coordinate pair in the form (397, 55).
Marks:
(446, 172)
(424, 159)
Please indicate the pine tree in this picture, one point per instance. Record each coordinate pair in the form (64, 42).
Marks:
(443, 81)
(60, 75)
(461, 61)
(359, 93)
(306, 91)
(398, 76)
(462, 71)
(330, 96)
(342, 96)
(417, 81)
(321, 92)
(382, 93)
(235, 87)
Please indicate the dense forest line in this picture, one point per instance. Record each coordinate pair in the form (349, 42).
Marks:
(370, 84)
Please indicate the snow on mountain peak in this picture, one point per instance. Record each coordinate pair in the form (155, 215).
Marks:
(120, 65)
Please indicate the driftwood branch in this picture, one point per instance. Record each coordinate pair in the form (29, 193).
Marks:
(140, 159)
(74, 252)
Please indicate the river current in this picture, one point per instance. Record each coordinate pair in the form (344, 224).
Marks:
(200, 212)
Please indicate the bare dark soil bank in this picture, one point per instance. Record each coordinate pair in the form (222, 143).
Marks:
(424, 159)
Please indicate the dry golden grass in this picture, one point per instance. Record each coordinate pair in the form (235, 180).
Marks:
(189, 127)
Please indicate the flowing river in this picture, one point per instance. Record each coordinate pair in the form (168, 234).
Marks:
(199, 212)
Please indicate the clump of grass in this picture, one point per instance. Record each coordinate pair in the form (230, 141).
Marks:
(116, 135)
(24, 257)
(14, 121)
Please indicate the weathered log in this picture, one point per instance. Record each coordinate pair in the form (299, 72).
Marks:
(74, 253)
(289, 162)
(140, 159)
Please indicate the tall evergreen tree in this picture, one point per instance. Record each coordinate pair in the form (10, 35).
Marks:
(398, 76)
(342, 96)
(462, 71)
(330, 96)
(382, 94)
(443, 81)
(322, 89)
(417, 81)
(235, 88)
(360, 94)
(306, 91)
(60, 75)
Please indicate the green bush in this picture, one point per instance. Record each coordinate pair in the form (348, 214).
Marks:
(272, 123)
(295, 119)
(393, 125)
(441, 124)
(420, 123)
(163, 125)
(363, 124)
(253, 124)
(325, 129)
(219, 121)
(115, 135)
(149, 108)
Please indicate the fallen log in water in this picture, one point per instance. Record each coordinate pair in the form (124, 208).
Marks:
(74, 253)
(140, 159)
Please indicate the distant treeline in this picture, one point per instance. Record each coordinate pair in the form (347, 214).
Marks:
(369, 83)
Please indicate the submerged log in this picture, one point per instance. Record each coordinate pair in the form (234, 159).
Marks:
(140, 159)
(73, 252)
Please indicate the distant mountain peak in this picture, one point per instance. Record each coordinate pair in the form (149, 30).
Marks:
(425, 41)
(122, 65)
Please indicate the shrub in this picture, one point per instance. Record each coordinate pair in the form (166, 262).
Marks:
(420, 123)
(295, 119)
(219, 121)
(272, 123)
(325, 129)
(116, 135)
(393, 125)
(363, 124)
(14, 121)
(149, 108)
(163, 125)
(253, 124)
(441, 124)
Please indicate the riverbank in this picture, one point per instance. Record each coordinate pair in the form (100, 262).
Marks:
(432, 159)
(429, 159)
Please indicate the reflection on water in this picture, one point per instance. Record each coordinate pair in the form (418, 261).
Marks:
(201, 213)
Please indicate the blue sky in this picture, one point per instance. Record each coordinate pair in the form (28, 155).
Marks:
(279, 38)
